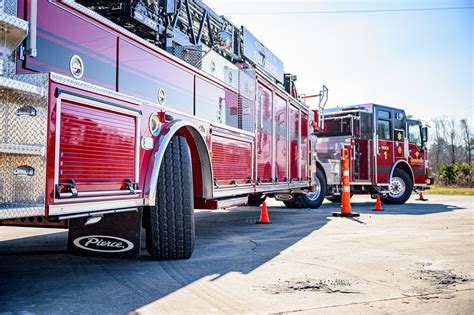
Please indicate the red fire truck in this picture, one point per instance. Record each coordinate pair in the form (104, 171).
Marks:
(388, 151)
(118, 114)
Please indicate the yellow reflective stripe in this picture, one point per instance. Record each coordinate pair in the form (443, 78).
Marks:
(346, 189)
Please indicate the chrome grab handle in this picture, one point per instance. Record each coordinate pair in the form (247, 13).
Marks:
(406, 148)
(377, 144)
(354, 153)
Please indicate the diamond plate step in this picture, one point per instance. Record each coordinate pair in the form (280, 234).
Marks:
(19, 210)
(20, 86)
(25, 149)
(17, 28)
(12, 31)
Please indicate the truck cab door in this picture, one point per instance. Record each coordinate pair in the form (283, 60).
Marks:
(361, 143)
(384, 157)
(416, 151)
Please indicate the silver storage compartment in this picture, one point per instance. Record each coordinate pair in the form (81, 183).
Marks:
(23, 123)
(23, 136)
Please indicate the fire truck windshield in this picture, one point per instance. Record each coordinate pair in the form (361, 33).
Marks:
(337, 126)
(414, 133)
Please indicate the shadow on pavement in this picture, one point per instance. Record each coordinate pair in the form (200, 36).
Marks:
(47, 279)
(415, 208)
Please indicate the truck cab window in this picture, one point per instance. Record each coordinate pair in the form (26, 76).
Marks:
(383, 129)
(414, 134)
(384, 125)
(365, 124)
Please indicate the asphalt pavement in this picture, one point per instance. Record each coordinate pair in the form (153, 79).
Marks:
(415, 258)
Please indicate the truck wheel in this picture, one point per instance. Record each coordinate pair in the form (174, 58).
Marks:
(311, 200)
(170, 224)
(256, 200)
(401, 186)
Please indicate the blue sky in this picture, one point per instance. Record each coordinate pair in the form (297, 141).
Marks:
(419, 60)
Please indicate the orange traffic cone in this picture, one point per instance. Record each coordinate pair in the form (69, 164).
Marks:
(378, 204)
(264, 219)
(421, 198)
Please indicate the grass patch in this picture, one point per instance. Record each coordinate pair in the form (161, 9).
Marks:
(440, 190)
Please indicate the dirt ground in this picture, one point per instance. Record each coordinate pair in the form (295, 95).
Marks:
(416, 258)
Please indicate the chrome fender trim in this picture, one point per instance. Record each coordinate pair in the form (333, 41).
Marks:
(395, 166)
(164, 139)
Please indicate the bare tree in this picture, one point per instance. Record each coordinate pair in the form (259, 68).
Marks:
(451, 136)
(438, 144)
(451, 142)
(466, 136)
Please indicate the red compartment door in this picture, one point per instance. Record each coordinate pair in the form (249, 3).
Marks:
(304, 147)
(231, 160)
(97, 147)
(281, 140)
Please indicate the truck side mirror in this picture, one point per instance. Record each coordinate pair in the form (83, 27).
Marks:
(424, 136)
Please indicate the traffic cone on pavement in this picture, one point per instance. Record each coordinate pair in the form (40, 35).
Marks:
(378, 204)
(264, 219)
(421, 198)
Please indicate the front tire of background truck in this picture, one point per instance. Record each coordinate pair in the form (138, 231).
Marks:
(170, 223)
(401, 186)
(311, 200)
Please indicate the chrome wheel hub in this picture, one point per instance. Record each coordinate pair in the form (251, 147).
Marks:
(317, 191)
(397, 187)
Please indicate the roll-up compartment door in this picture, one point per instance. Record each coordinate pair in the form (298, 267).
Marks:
(231, 159)
(264, 134)
(304, 146)
(97, 148)
(281, 139)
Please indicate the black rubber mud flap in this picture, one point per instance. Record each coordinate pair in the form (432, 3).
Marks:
(114, 236)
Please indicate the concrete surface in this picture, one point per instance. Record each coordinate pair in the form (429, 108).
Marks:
(416, 258)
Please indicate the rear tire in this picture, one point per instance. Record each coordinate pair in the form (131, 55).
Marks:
(311, 200)
(400, 188)
(170, 224)
(256, 200)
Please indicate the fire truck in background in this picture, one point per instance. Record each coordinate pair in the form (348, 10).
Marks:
(147, 107)
(388, 151)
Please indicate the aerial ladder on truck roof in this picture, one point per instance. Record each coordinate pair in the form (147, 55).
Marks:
(190, 30)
